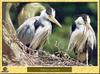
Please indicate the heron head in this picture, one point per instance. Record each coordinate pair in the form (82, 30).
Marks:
(84, 19)
(49, 14)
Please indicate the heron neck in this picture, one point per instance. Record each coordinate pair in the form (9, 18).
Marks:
(43, 20)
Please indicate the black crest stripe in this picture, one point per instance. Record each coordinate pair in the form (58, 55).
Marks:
(49, 11)
(84, 16)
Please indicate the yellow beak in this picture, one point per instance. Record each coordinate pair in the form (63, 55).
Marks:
(52, 19)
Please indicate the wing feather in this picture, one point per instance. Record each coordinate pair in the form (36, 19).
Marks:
(91, 38)
(26, 31)
(40, 37)
(78, 39)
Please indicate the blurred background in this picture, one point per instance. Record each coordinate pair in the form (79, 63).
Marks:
(66, 13)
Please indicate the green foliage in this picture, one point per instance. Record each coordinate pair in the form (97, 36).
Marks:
(61, 36)
(92, 7)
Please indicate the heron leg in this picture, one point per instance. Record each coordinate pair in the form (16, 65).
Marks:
(87, 57)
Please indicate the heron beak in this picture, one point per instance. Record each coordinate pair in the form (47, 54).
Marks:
(52, 19)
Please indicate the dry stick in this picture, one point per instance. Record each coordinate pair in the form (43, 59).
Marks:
(27, 55)
(57, 45)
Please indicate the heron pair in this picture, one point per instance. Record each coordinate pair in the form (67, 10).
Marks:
(38, 29)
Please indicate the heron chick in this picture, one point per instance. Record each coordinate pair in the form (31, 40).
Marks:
(83, 39)
(34, 28)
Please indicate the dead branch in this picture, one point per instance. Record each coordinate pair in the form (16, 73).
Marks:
(12, 47)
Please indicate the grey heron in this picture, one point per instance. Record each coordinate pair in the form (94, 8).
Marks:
(33, 28)
(83, 39)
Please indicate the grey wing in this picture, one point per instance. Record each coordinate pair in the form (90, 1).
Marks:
(40, 37)
(26, 31)
(77, 40)
(76, 35)
(91, 39)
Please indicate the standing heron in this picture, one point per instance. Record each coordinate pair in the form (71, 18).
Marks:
(83, 39)
(36, 30)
